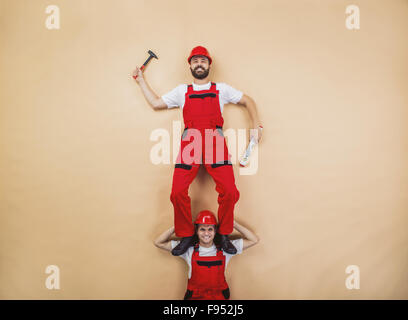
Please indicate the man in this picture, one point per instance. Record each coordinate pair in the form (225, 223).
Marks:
(206, 261)
(202, 104)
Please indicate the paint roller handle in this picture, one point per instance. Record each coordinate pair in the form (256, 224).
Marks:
(260, 128)
(252, 143)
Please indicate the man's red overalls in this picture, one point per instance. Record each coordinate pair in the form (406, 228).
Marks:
(207, 280)
(203, 142)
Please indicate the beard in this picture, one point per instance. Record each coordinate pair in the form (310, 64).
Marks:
(201, 74)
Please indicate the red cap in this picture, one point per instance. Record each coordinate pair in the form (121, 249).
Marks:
(206, 217)
(199, 51)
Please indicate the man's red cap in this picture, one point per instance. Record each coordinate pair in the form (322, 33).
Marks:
(199, 51)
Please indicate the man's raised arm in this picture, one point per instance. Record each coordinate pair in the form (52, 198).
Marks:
(153, 99)
(249, 103)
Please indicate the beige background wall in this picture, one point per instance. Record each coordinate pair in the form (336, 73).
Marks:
(78, 189)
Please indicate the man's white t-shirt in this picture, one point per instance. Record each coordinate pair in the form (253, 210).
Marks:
(227, 94)
(208, 252)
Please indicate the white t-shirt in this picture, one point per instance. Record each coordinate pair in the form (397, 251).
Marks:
(208, 252)
(176, 97)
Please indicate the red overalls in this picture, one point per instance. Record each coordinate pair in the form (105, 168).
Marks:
(203, 142)
(207, 280)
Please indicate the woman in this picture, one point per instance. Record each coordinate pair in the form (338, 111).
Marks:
(206, 260)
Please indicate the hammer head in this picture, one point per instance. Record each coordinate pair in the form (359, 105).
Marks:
(152, 54)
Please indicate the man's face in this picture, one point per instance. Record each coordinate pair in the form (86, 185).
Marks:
(206, 233)
(200, 67)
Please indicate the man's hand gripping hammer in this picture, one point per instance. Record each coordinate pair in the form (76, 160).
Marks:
(151, 55)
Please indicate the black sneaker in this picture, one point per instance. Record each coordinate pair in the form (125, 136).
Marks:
(182, 247)
(226, 244)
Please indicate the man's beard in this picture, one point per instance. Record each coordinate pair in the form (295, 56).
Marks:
(203, 74)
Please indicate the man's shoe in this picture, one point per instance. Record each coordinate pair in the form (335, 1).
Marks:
(182, 247)
(226, 244)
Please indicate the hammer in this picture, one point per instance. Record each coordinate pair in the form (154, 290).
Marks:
(151, 55)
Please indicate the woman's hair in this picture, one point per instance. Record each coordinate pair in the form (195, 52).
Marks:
(217, 237)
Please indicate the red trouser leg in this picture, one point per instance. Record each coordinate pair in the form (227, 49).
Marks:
(228, 195)
(182, 178)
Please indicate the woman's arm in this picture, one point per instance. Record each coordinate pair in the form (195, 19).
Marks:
(163, 241)
(250, 239)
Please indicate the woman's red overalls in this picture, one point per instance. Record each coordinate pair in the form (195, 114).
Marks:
(203, 142)
(207, 280)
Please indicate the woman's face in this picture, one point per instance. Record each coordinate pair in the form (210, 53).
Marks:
(206, 234)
